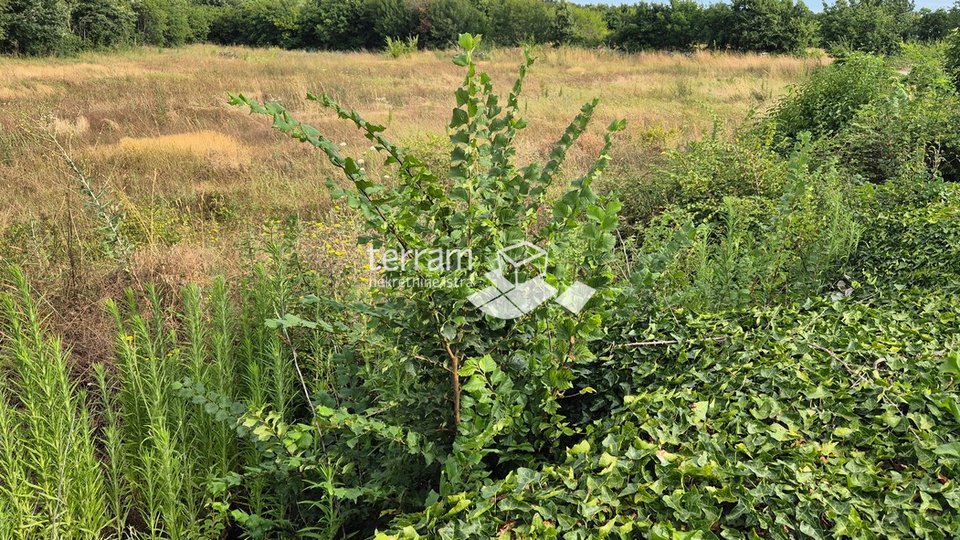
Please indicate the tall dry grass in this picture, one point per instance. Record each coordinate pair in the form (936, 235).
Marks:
(145, 112)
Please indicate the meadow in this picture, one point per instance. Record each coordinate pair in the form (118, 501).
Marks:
(194, 345)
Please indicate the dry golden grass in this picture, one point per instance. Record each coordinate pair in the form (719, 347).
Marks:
(162, 115)
(193, 176)
(219, 149)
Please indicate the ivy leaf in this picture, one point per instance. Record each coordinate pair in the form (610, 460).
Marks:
(951, 449)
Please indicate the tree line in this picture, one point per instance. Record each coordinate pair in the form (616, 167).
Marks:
(40, 27)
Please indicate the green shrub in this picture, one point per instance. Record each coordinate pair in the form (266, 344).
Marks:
(831, 98)
(398, 47)
(919, 121)
(790, 238)
(702, 174)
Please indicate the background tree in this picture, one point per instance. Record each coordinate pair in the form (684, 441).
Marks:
(516, 21)
(386, 18)
(934, 25)
(717, 19)
(201, 16)
(37, 27)
(333, 24)
(615, 17)
(676, 25)
(3, 23)
(439, 22)
(274, 22)
(771, 26)
(103, 23)
(178, 31)
(152, 19)
(589, 27)
(562, 24)
(876, 26)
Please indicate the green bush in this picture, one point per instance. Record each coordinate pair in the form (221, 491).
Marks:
(782, 229)
(831, 98)
(477, 394)
(916, 121)
(702, 174)
(398, 47)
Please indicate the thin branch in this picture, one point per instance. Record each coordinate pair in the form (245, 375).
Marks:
(455, 376)
(655, 343)
(296, 365)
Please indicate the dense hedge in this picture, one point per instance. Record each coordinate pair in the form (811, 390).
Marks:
(37, 27)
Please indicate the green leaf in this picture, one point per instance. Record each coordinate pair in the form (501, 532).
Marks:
(466, 41)
(951, 449)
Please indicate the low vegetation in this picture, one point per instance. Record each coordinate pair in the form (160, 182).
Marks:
(772, 350)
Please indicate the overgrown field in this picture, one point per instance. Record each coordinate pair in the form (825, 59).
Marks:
(191, 179)
(195, 346)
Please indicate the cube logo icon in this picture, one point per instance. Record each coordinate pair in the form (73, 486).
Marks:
(514, 259)
(513, 295)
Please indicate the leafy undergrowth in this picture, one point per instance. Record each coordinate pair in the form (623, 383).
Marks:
(828, 419)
